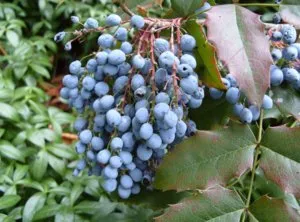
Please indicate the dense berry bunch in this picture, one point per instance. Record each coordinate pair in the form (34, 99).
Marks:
(241, 108)
(132, 98)
(286, 55)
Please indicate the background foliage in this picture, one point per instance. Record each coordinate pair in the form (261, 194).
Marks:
(37, 155)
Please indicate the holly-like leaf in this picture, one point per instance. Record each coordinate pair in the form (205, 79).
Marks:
(270, 209)
(186, 7)
(280, 158)
(207, 159)
(287, 100)
(290, 12)
(206, 53)
(211, 114)
(156, 199)
(216, 204)
(241, 44)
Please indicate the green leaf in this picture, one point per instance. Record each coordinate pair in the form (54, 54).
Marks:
(215, 204)
(211, 114)
(33, 204)
(9, 151)
(12, 37)
(88, 207)
(64, 215)
(206, 53)
(268, 209)
(280, 159)
(75, 193)
(156, 199)
(241, 44)
(8, 201)
(207, 159)
(290, 12)
(287, 100)
(63, 151)
(36, 137)
(20, 172)
(47, 211)
(186, 7)
(39, 165)
(57, 164)
(40, 70)
(6, 94)
(8, 112)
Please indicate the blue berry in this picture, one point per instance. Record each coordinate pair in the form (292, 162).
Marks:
(110, 70)
(103, 156)
(59, 36)
(146, 131)
(160, 46)
(80, 124)
(121, 34)
(75, 19)
(126, 47)
(233, 95)
(276, 36)
(143, 152)
(237, 108)
(184, 70)
(106, 41)
(110, 172)
(68, 46)
(80, 147)
(116, 57)
(91, 23)
(137, 21)
(81, 164)
(113, 117)
(137, 81)
(160, 110)
(289, 34)
(246, 115)
(123, 192)
(142, 115)
(126, 181)
(110, 185)
(290, 53)
(276, 77)
(170, 119)
(85, 136)
(88, 83)
(136, 175)
(162, 97)
(138, 61)
(75, 67)
(267, 102)
(115, 161)
(101, 89)
(126, 157)
(154, 142)
(136, 189)
(70, 81)
(276, 54)
(113, 20)
(116, 143)
(91, 65)
(255, 112)
(187, 42)
(97, 143)
(166, 59)
(101, 57)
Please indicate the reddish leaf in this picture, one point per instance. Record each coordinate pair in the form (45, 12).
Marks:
(290, 12)
(207, 159)
(270, 210)
(216, 204)
(243, 47)
(280, 158)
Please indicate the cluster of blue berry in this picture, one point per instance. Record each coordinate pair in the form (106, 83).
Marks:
(132, 100)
